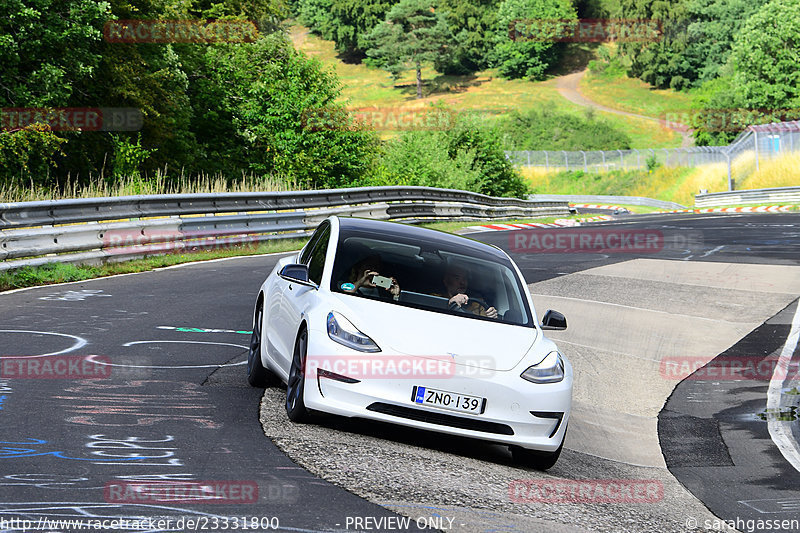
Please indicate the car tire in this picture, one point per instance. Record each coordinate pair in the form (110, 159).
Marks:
(257, 375)
(295, 386)
(536, 459)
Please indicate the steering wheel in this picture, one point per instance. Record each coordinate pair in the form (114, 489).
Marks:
(479, 301)
(455, 307)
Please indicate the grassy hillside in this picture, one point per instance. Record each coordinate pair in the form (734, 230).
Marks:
(483, 92)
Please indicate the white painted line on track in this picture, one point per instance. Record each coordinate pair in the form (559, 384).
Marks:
(780, 431)
(80, 342)
(624, 306)
(717, 249)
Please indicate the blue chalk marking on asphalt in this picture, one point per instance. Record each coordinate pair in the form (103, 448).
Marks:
(2, 399)
(7, 452)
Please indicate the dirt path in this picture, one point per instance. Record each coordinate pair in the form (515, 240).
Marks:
(568, 88)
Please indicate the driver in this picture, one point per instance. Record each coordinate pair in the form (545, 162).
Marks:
(456, 284)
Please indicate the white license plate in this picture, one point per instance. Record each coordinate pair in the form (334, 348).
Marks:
(448, 400)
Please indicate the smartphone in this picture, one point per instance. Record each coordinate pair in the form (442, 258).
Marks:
(382, 281)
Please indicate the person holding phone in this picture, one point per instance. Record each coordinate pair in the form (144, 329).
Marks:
(365, 279)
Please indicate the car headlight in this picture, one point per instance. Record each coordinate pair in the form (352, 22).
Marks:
(342, 331)
(548, 370)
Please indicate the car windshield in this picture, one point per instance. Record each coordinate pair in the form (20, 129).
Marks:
(432, 275)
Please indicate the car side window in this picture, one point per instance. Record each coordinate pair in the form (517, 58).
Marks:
(312, 243)
(316, 259)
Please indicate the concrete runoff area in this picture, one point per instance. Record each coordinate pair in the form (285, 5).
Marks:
(623, 320)
(641, 314)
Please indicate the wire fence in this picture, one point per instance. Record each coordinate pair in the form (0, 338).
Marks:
(742, 157)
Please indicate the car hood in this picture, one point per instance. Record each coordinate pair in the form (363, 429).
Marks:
(409, 331)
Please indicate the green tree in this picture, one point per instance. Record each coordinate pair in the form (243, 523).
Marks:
(414, 32)
(29, 155)
(45, 45)
(271, 91)
(316, 15)
(696, 41)
(471, 22)
(766, 55)
(529, 54)
(353, 20)
(467, 156)
(711, 32)
(760, 83)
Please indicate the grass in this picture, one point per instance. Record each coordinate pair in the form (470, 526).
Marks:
(635, 96)
(673, 184)
(158, 184)
(779, 172)
(483, 92)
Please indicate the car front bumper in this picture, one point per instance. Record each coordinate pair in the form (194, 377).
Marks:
(517, 412)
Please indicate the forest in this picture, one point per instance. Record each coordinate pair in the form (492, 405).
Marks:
(235, 103)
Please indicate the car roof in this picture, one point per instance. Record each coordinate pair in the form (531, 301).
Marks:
(408, 231)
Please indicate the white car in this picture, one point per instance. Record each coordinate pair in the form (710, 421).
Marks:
(391, 322)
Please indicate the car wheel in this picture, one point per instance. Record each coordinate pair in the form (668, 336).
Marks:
(257, 375)
(536, 459)
(295, 386)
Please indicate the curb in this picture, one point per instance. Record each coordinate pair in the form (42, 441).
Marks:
(560, 223)
(758, 209)
(596, 206)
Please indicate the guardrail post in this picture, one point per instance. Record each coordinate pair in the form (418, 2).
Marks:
(546, 162)
(566, 159)
(755, 143)
(603, 153)
(621, 160)
(638, 158)
(666, 159)
(585, 166)
(529, 157)
(730, 182)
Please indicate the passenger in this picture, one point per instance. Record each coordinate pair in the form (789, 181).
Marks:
(456, 284)
(361, 275)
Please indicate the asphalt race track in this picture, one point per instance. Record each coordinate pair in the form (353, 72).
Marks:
(168, 404)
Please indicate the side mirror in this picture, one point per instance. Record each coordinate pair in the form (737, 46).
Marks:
(554, 320)
(297, 273)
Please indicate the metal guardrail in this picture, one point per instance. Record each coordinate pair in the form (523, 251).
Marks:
(605, 199)
(94, 230)
(777, 195)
